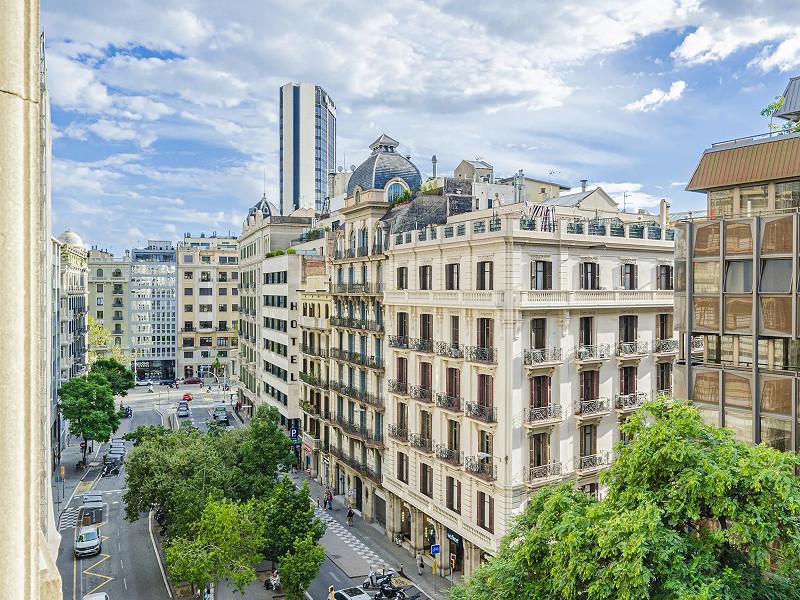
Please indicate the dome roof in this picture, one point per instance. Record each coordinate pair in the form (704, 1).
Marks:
(71, 238)
(382, 165)
(267, 208)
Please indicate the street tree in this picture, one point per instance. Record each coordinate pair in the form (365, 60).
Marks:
(215, 367)
(300, 566)
(120, 377)
(690, 514)
(224, 546)
(98, 339)
(88, 404)
(290, 518)
(143, 432)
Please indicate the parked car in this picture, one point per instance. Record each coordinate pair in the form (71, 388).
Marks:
(166, 382)
(144, 382)
(183, 409)
(87, 542)
(96, 596)
(192, 380)
(187, 396)
(353, 593)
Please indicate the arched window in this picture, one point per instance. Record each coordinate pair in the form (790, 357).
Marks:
(117, 273)
(358, 196)
(99, 272)
(394, 191)
(379, 238)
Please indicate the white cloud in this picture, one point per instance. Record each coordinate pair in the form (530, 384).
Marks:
(657, 97)
(721, 38)
(114, 131)
(678, 183)
(785, 57)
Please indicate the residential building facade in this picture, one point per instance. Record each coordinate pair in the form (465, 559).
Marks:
(109, 298)
(208, 299)
(74, 305)
(307, 145)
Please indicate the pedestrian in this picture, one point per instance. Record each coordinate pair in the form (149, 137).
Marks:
(350, 514)
(68, 438)
(420, 562)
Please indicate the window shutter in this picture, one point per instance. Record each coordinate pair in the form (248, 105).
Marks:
(532, 399)
(548, 275)
(595, 384)
(533, 274)
(635, 328)
(622, 329)
(491, 275)
(489, 391)
(583, 440)
(596, 281)
(491, 514)
(658, 278)
(636, 277)
(634, 380)
(480, 508)
(583, 386)
(546, 391)
(422, 478)
(622, 270)
(458, 496)
(670, 271)
(582, 276)
(593, 430)
(449, 492)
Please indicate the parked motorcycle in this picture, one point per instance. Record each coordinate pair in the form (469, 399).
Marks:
(375, 579)
(110, 469)
(392, 592)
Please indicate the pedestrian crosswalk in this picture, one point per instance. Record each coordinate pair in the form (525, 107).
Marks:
(68, 518)
(348, 538)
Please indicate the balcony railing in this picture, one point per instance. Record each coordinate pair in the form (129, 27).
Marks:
(698, 343)
(593, 352)
(446, 402)
(356, 393)
(665, 346)
(398, 433)
(487, 414)
(421, 443)
(483, 468)
(420, 393)
(536, 474)
(632, 348)
(421, 345)
(667, 393)
(592, 407)
(376, 362)
(398, 341)
(454, 457)
(314, 380)
(353, 323)
(398, 387)
(593, 461)
(446, 349)
(480, 354)
(542, 355)
(541, 413)
(355, 429)
(357, 288)
(630, 401)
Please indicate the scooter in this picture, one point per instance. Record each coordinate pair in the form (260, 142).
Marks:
(390, 592)
(375, 579)
(110, 469)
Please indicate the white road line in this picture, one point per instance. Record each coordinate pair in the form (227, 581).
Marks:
(125, 582)
(336, 578)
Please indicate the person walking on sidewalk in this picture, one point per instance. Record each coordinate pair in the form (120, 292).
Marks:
(350, 515)
(420, 562)
(68, 438)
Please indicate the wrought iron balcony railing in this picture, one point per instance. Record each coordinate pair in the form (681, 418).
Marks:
(421, 345)
(487, 414)
(398, 433)
(632, 348)
(480, 354)
(592, 352)
(454, 457)
(481, 467)
(421, 443)
(630, 401)
(542, 355)
(454, 403)
(547, 471)
(591, 407)
(541, 413)
(398, 387)
(449, 350)
(665, 346)
(420, 393)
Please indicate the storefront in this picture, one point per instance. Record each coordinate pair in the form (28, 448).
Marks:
(405, 522)
(428, 533)
(456, 548)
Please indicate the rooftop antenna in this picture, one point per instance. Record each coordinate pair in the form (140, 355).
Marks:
(624, 201)
(550, 181)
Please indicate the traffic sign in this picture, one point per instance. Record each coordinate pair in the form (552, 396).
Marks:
(83, 444)
(435, 549)
(293, 433)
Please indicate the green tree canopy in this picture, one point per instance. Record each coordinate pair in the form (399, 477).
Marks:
(225, 545)
(120, 377)
(290, 517)
(690, 514)
(88, 404)
(300, 566)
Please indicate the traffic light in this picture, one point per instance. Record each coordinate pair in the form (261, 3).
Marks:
(453, 561)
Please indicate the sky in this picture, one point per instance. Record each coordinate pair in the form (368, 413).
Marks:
(165, 113)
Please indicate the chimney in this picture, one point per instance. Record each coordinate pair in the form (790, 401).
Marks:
(433, 160)
(583, 184)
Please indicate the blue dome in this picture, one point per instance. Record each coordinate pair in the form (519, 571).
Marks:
(383, 165)
(267, 208)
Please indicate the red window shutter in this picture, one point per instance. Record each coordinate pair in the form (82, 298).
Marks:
(491, 514)
(422, 478)
(595, 384)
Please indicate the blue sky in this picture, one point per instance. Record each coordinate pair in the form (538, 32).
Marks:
(165, 113)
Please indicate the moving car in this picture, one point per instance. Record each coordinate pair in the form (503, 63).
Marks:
(144, 382)
(221, 414)
(192, 380)
(187, 396)
(183, 409)
(88, 543)
(353, 593)
(166, 382)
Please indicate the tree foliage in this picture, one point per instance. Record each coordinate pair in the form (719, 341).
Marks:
(690, 514)
(88, 404)
(300, 566)
(771, 109)
(119, 377)
(98, 338)
(225, 546)
(290, 517)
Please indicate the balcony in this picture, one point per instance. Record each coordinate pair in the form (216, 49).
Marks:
(482, 468)
(313, 380)
(354, 429)
(117, 292)
(575, 299)
(454, 403)
(448, 455)
(421, 345)
(449, 350)
(489, 299)
(593, 408)
(630, 402)
(117, 303)
(117, 318)
(353, 323)
(665, 349)
(480, 354)
(542, 357)
(592, 353)
(631, 350)
(313, 351)
(356, 393)
(398, 387)
(666, 393)
(420, 393)
(485, 414)
(541, 416)
(311, 441)
(357, 288)
(374, 362)
(422, 444)
(543, 474)
(398, 341)
(585, 465)
(398, 433)
(313, 322)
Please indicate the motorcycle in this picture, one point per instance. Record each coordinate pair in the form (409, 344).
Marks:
(391, 592)
(127, 411)
(375, 579)
(110, 469)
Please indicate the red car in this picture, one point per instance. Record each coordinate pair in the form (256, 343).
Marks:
(187, 396)
(192, 380)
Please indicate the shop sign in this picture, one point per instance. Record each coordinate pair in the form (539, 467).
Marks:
(454, 537)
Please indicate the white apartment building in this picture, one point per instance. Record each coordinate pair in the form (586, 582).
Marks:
(109, 297)
(74, 300)
(516, 347)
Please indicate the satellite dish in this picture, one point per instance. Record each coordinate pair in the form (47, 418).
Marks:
(340, 168)
(352, 167)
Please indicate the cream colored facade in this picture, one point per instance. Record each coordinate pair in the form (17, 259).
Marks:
(74, 305)
(109, 298)
(208, 305)
(511, 363)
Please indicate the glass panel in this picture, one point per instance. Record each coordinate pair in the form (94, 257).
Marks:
(776, 314)
(706, 240)
(739, 276)
(737, 391)
(680, 312)
(706, 388)
(709, 413)
(787, 195)
(776, 395)
(680, 239)
(776, 433)
(763, 353)
(753, 199)
(746, 350)
(742, 425)
(776, 276)
(706, 277)
(680, 276)
(720, 202)
(706, 312)
(726, 349)
(738, 238)
(712, 348)
(776, 236)
(738, 312)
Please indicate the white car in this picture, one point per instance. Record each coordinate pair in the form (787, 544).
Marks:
(96, 596)
(88, 542)
(353, 593)
(144, 382)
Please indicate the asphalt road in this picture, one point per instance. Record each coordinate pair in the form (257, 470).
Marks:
(329, 574)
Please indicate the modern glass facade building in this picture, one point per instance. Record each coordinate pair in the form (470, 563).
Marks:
(307, 145)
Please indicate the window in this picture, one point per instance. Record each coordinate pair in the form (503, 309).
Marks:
(628, 328)
(223, 291)
(664, 376)
(426, 376)
(451, 278)
(586, 331)
(453, 383)
(394, 192)
(223, 276)
(664, 328)
(188, 291)
(99, 302)
(426, 327)
(188, 274)
(486, 511)
(538, 335)
(627, 380)
(206, 341)
(539, 449)
(588, 440)
(590, 276)
(99, 314)
(454, 330)
(188, 342)
(485, 337)
(206, 291)
(739, 276)
(541, 275)
(485, 390)
(99, 273)
(402, 278)
(629, 276)
(402, 467)
(453, 495)
(721, 202)
(188, 307)
(590, 385)
(453, 435)
(99, 288)
(188, 355)
(402, 324)
(787, 195)
(540, 391)
(706, 277)
(776, 276)
(425, 277)
(222, 308)
(752, 199)
(188, 258)
(485, 275)
(402, 369)
(426, 480)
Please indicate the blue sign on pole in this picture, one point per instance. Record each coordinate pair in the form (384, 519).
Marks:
(293, 433)
(435, 549)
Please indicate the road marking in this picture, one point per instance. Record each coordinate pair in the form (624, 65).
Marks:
(125, 583)
(120, 564)
(106, 577)
(335, 577)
